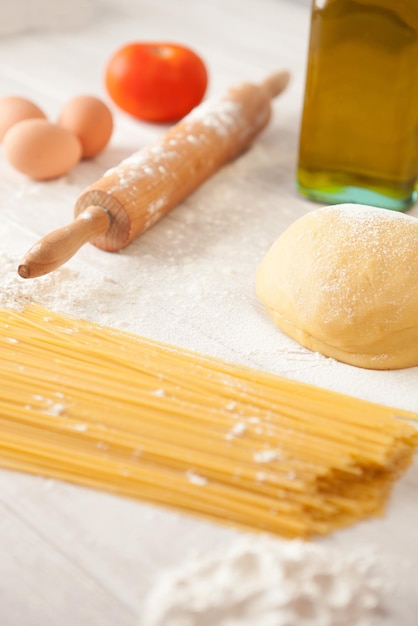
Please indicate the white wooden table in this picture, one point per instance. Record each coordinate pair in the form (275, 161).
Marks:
(71, 556)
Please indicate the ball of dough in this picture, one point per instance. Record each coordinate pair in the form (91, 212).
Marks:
(342, 281)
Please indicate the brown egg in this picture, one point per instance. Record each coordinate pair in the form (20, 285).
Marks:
(40, 149)
(14, 109)
(90, 120)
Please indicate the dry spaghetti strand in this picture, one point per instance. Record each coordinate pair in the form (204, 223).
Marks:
(110, 410)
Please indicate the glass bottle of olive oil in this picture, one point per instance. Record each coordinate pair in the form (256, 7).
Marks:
(359, 131)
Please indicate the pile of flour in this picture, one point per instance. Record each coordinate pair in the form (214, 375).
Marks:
(66, 290)
(264, 582)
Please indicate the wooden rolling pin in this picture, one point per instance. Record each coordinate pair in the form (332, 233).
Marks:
(141, 189)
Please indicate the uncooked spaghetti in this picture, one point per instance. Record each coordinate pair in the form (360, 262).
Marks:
(114, 411)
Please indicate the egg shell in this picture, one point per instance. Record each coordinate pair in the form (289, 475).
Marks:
(40, 149)
(91, 120)
(14, 109)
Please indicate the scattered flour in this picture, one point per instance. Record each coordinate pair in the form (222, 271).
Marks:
(237, 430)
(220, 114)
(196, 479)
(61, 290)
(259, 581)
(265, 456)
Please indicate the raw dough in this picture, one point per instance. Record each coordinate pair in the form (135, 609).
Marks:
(342, 281)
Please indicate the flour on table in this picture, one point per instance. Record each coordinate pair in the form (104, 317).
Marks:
(259, 581)
(61, 290)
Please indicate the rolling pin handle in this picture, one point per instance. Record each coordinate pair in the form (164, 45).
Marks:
(276, 83)
(59, 246)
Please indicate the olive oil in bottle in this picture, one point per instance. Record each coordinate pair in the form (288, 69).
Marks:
(359, 131)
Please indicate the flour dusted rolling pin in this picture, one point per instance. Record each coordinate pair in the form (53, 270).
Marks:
(134, 195)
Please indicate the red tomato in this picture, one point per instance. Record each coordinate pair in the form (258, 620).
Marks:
(156, 82)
